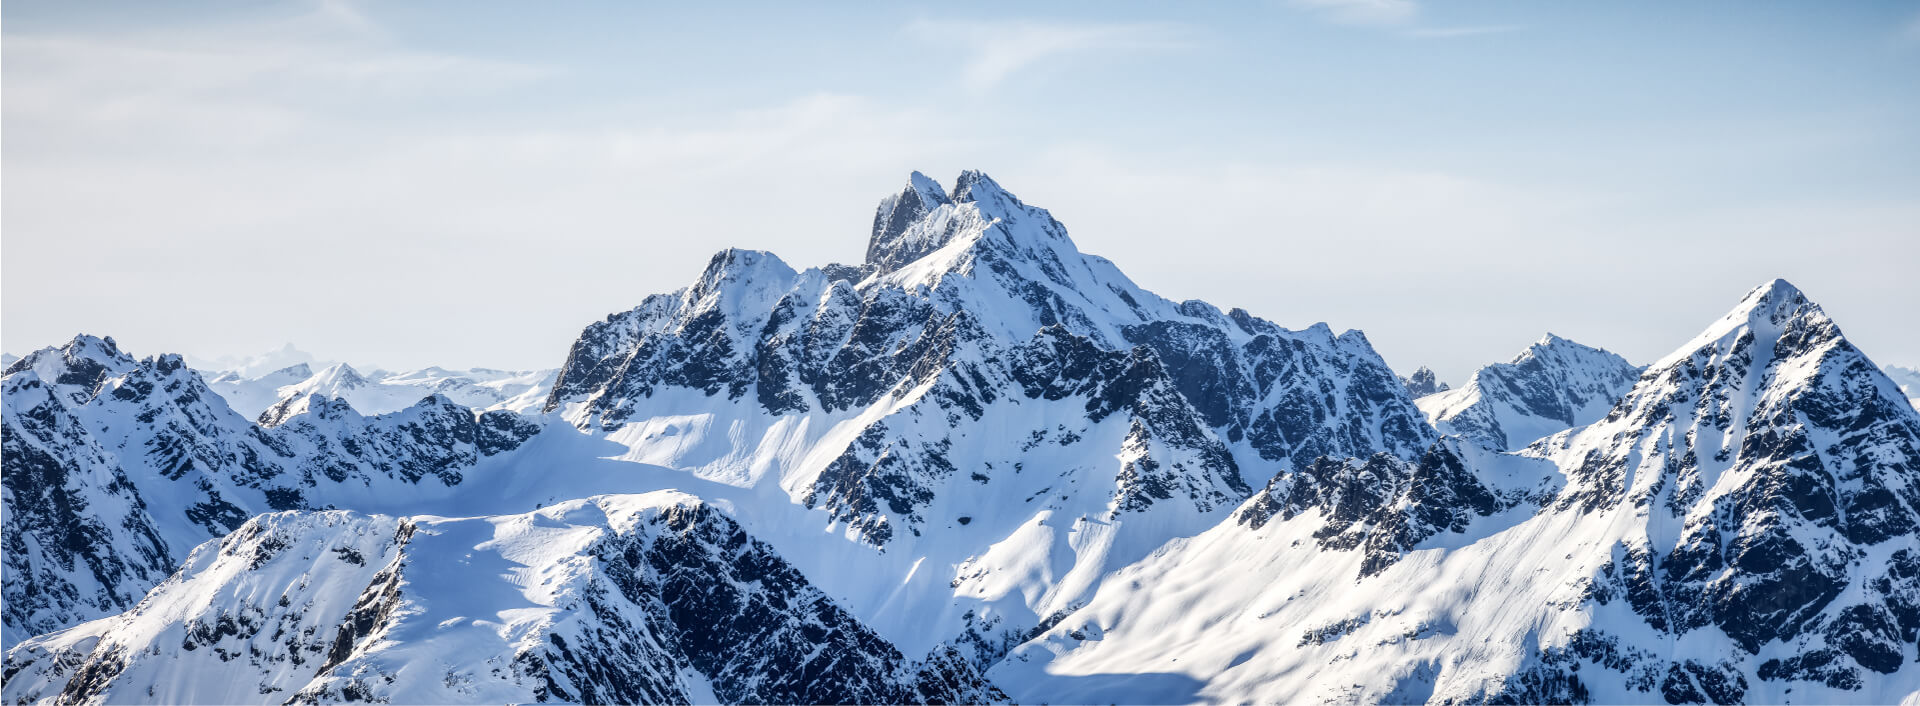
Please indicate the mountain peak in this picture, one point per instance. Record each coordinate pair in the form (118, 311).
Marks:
(83, 361)
(341, 376)
(95, 347)
(1764, 310)
(1423, 382)
(992, 199)
(890, 244)
(974, 185)
(928, 191)
(1777, 300)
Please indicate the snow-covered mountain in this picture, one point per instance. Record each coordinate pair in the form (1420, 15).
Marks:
(380, 391)
(116, 467)
(1740, 528)
(985, 427)
(617, 599)
(1013, 417)
(1554, 384)
(978, 462)
(1909, 381)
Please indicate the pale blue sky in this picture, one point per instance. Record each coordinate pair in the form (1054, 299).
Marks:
(405, 184)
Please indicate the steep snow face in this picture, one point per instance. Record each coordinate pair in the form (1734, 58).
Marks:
(653, 598)
(1423, 382)
(115, 467)
(1909, 381)
(1740, 528)
(1554, 384)
(981, 395)
(379, 392)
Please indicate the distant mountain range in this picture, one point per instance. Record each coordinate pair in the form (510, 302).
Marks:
(978, 466)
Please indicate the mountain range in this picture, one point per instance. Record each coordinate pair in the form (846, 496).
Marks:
(978, 466)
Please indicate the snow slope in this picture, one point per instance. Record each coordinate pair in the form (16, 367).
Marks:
(627, 599)
(1741, 528)
(1554, 384)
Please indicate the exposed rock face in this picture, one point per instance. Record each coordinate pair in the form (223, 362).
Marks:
(1382, 506)
(642, 599)
(979, 360)
(963, 302)
(1784, 460)
(1554, 384)
(115, 467)
(1741, 527)
(1423, 382)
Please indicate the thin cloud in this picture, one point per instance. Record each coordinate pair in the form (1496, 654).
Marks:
(1448, 32)
(1362, 12)
(1001, 50)
(228, 82)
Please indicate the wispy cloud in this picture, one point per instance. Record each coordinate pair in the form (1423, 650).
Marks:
(1396, 15)
(1362, 12)
(1001, 50)
(232, 80)
(1446, 32)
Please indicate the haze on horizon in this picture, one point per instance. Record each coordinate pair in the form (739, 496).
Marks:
(469, 185)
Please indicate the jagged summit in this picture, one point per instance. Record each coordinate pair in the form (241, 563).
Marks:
(887, 250)
(922, 218)
(1766, 308)
(81, 346)
(1773, 431)
(1739, 528)
(982, 452)
(1424, 382)
(1552, 385)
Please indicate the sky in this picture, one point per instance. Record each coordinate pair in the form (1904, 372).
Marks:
(470, 184)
